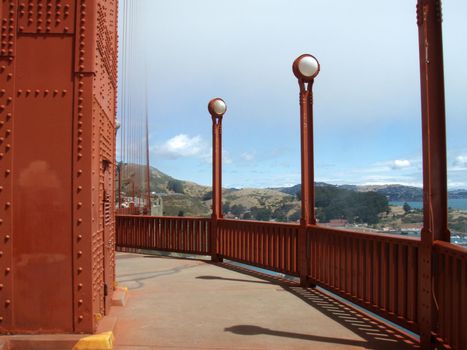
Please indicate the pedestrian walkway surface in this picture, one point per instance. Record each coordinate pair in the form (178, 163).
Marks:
(193, 304)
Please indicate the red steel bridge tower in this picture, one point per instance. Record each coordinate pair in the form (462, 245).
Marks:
(58, 83)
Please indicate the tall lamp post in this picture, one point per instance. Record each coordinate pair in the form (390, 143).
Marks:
(217, 109)
(306, 67)
(435, 191)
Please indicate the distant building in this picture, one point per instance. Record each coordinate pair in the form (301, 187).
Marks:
(336, 223)
(157, 205)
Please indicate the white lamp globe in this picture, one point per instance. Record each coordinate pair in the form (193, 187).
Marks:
(117, 124)
(217, 106)
(308, 66)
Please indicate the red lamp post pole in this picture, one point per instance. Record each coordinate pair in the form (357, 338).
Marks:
(217, 108)
(435, 222)
(306, 68)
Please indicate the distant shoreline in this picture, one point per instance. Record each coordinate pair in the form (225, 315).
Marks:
(457, 203)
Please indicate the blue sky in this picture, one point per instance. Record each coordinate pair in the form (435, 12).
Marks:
(367, 102)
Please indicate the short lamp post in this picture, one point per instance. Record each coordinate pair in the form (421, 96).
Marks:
(217, 109)
(306, 67)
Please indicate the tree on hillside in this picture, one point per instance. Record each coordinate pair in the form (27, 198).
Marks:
(175, 186)
(237, 209)
(280, 214)
(261, 214)
(226, 207)
(338, 203)
(247, 216)
(207, 196)
(295, 216)
(407, 208)
(299, 195)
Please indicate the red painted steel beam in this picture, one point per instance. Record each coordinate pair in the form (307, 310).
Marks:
(435, 225)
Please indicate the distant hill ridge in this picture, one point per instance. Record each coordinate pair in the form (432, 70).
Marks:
(195, 200)
(393, 192)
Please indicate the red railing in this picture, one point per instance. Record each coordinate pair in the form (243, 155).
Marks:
(450, 280)
(376, 271)
(272, 246)
(175, 234)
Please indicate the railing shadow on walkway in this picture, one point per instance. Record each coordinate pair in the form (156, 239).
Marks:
(376, 333)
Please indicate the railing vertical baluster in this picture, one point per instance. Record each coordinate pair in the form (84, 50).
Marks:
(385, 268)
(402, 281)
(336, 262)
(455, 303)
(449, 301)
(325, 257)
(251, 235)
(348, 265)
(361, 269)
(136, 220)
(392, 278)
(233, 245)
(133, 233)
(354, 250)
(277, 242)
(412, 278)
(376, 274)
(156, 232)
(335, 267)
(268, 246)
(227, 240)
(287, 255)
(242, 243)
(317, 249)
(204, 235)
(463, 304)
(140, 233)
(270, 234)
(368, 274)
(169, 233)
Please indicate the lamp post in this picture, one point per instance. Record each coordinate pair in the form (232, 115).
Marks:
(217, 109)
(435, 191)
(306, 67)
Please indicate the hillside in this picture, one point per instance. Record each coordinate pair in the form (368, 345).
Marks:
(281, 204)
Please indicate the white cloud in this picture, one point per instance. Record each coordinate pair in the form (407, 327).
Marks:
(400, 164)
(226, 159)
(181, 146)
(247, 156)
(460, 161)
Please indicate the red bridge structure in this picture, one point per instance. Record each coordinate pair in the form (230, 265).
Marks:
(58, 74)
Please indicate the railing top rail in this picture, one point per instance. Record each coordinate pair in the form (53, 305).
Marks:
(450, 249)
(255, 222)
(414, 241)
(165, 217)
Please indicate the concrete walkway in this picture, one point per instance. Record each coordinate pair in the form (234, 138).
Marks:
(193, 304)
